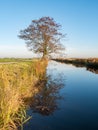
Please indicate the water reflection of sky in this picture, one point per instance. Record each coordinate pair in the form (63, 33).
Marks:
(78, 109)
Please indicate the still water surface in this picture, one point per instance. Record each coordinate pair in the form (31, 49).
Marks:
(69, 100)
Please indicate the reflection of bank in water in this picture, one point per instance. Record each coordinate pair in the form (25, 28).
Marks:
(89, 64)
(89, 68)
(45, 101)
(94, 70)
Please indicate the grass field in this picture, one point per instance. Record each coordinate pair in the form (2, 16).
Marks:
(14, 59)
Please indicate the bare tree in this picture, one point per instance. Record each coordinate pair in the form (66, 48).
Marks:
(43, 36)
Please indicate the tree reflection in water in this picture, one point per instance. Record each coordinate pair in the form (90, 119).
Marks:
(46, 101)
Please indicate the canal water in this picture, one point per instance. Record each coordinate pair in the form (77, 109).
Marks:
(67, 101)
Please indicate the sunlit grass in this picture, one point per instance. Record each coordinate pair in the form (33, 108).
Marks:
(14, 59)
(16, 84)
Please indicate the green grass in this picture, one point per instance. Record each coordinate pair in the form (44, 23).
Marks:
(15, 59)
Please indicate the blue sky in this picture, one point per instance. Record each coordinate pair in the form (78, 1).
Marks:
(79, 19)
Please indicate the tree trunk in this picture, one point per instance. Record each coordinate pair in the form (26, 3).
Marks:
(45, 51)
(44, 56)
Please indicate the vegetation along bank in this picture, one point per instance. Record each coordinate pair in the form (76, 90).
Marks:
(88, 62)
(17, 85)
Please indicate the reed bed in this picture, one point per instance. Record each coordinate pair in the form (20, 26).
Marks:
(17, 83)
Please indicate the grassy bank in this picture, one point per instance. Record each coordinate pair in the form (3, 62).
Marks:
(17, 83)
(2, 60)
(89, 62)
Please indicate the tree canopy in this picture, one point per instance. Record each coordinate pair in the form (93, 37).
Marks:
(43, 36)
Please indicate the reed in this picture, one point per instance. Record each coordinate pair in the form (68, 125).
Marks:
(16, 84)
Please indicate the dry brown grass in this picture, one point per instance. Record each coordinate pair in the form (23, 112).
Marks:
(16, 83)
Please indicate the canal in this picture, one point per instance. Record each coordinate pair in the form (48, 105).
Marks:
(68, 100)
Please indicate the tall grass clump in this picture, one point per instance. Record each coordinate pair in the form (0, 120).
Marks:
(39, 68)
(16, 84)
